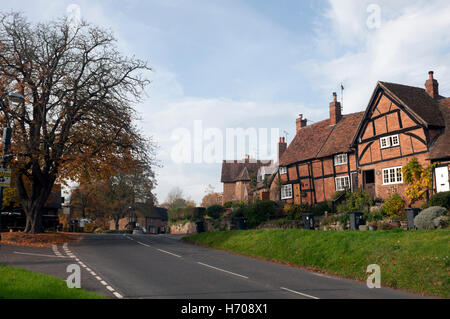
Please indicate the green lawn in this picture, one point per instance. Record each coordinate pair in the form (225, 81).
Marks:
(16, 283)
(417, 261)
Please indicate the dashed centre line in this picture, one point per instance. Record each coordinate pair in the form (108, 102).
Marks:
(223, 270)
(104, 283)
(299, 293)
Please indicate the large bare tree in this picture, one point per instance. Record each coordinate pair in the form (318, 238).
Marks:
(79, 92)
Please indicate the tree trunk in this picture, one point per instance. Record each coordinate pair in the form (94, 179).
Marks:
(34, 221)
(116, 220)
(34, 202)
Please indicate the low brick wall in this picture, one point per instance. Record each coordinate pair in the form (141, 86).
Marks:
(186, 229)
(215, 225)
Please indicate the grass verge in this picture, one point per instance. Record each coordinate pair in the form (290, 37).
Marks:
(417, 261)
(17, 283)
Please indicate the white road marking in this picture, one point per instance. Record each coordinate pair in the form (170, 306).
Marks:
(143, 244)
(167, 252)
(111, 289)
(31, 254)
(229, 272)
(299, 293)
(322, 275)
(117, 295)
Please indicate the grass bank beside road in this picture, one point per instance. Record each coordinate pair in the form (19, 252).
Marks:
(417, 261)
(16, 283)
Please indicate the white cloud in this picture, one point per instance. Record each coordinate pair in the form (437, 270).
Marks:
(412, 40)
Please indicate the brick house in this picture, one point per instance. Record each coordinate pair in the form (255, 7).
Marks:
(320, 160)
(402, 122)
(237, 177)
(367, 149)
(153, 219)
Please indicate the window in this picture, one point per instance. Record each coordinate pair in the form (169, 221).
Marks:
(392, 175)
(342, 183)
(286, 191)
(389, 141)
(283, 170)
(340, 159)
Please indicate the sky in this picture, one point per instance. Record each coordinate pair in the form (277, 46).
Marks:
(257, 64)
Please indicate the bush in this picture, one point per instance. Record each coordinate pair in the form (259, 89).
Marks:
(358, 201)
(215, 211)
(259, 212)
(294, 212)
(430, 218)
(228, 204)
(337, 195)
(395, 207)
(320, 208)
(439, 199)
(187, 214)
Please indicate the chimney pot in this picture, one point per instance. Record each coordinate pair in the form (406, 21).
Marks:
(432, 86)
(335, 110)
(300, 122)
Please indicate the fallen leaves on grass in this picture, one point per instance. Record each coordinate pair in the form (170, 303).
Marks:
(37, 240)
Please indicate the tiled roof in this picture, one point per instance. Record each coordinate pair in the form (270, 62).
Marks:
(441, 147)
(322, 139)
(234, 171)
(418, 101)
(341, 137)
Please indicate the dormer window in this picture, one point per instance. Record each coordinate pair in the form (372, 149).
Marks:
(389, 141)
(283, 170)
(340, 159)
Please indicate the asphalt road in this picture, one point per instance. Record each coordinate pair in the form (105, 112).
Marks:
(149, 266)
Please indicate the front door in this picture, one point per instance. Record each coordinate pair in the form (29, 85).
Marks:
(369, 182)
(442, 182)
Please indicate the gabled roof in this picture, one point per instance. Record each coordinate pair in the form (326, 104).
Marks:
(441, 147)
(418, 101)
(340, 139)
(234, 171)
(322, 139)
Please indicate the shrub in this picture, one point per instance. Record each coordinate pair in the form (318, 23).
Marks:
(429, 217)
(375, 214)
(215, 211)
(186, 214)
(439, 199)
(228, 204)
(320, 208)
(358, 201)
(337, 194)
(395, 207)
(294, 212)
(259, 212)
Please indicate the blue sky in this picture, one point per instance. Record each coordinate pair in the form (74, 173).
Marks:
(254, 63)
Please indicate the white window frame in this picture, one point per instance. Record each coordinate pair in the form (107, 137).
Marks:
(340, 159)
(286, 191)
(390, 175)
(388, 141)
(283, 170)
(342, 186)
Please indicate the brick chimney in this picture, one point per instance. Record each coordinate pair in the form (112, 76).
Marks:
(335, 110)
(300, 122)
(282, 146)
(432, 86)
